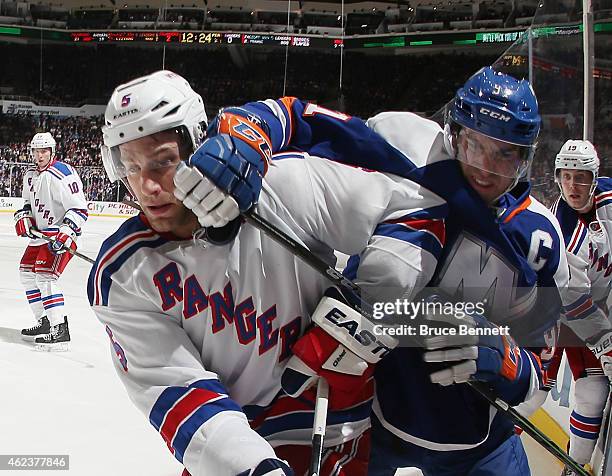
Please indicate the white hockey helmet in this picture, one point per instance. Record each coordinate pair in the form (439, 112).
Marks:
(158, 102)
(577, 155)
(42, 140)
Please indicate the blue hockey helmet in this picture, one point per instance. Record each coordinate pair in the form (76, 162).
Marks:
(499, 106)
(503, 109)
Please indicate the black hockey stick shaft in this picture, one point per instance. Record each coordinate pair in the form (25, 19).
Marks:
(527, 427)
(48, 239)
(480, 387)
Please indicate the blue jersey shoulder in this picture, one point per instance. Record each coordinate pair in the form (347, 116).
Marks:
(61, 168)
(603, 192)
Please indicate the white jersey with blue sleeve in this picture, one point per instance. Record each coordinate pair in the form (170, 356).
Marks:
(588, 246)
(201, 333)
(54, 195)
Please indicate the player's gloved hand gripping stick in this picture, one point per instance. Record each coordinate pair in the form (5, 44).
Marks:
(39, 234)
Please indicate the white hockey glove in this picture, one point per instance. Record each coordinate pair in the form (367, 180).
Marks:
(209, 203)
(466, 355)
(603, 351)
(270, 467)
(24, 222)
(342, 348)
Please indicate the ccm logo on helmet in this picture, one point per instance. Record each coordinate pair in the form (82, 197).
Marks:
(494, 115)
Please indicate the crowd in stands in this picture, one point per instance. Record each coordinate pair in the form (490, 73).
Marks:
(78, 144)
(75, 75)
(370, 84)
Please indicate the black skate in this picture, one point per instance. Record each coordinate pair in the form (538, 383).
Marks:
(39, 330)
(56, 340)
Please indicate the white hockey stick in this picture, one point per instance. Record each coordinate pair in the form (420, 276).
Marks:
(318, 428)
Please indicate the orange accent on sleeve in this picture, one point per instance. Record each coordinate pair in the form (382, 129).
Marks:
(288, 101)
(510, 363)
(518, 210)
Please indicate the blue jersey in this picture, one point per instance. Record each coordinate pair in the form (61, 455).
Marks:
(510, 256)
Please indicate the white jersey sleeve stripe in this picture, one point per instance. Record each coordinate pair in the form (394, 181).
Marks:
(179, 412)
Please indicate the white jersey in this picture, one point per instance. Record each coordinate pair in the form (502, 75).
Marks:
(202, 333)
(588, 255)
(54, 194)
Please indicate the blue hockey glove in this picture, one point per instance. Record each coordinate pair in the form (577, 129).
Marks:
(233, 165)
(472, 348)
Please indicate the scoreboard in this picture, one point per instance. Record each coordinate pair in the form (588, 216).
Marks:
(202, 38)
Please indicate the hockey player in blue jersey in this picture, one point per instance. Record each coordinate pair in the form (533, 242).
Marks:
(500, 246)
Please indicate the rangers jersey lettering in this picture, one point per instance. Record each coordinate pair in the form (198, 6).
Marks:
(200, 334)
(54, 194)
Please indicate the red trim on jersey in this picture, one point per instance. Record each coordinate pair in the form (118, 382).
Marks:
(192, 400)
(580, 309)
(603, 196)
(435, 227)
(588, 427)
(576, 235)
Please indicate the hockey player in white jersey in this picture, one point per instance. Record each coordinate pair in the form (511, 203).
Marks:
(584, 211)
(202, 321)
(54, 205)
(500, 245)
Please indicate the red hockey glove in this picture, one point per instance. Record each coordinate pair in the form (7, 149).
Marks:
(342, 348)
(24, 222)
(64, 240)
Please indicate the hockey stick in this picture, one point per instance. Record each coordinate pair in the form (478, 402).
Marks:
(48, 239)
(318, 428)
(480, 387)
